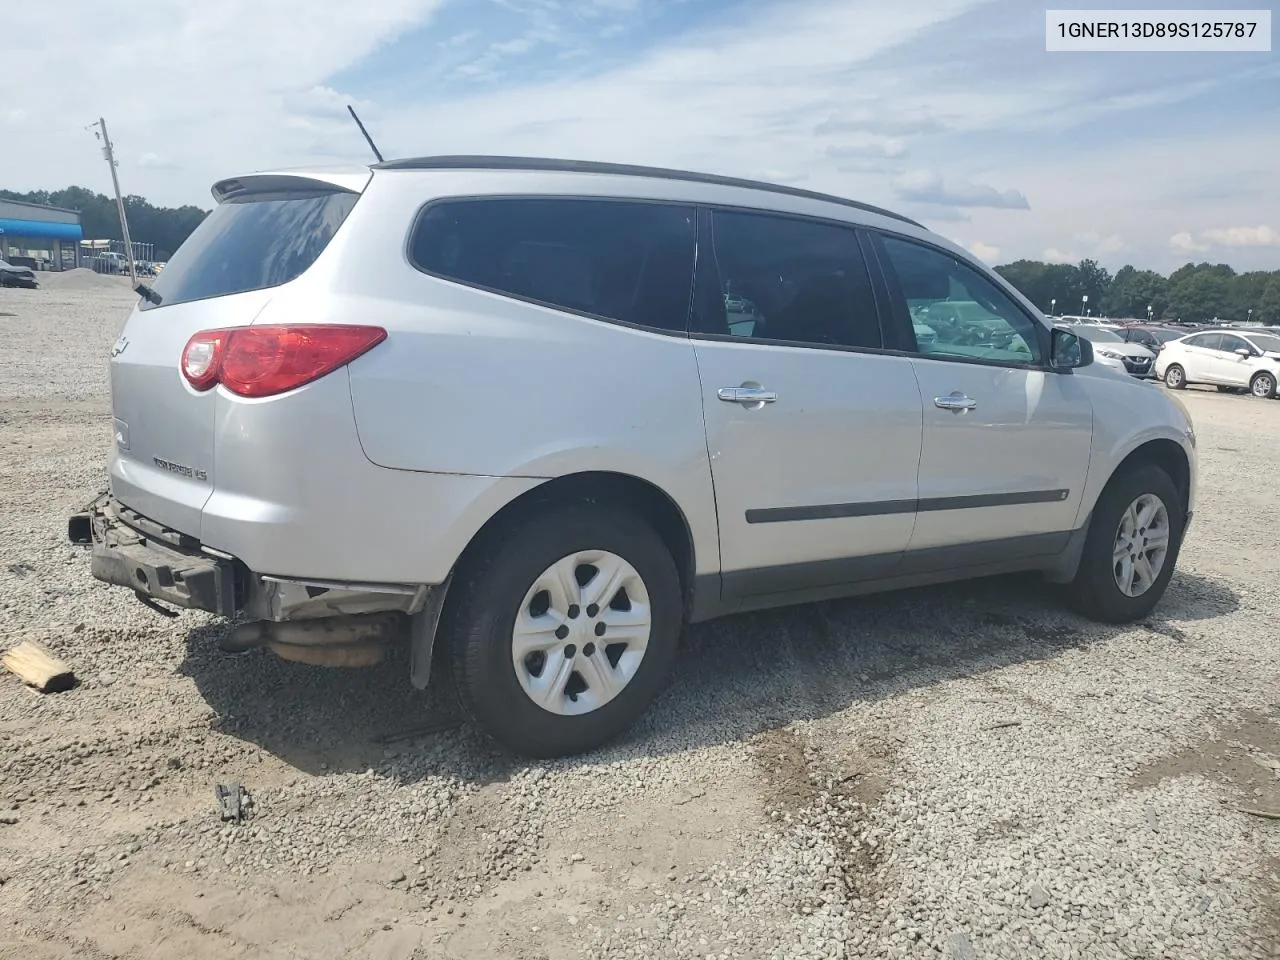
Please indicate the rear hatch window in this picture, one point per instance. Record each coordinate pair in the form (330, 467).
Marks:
(251, 243)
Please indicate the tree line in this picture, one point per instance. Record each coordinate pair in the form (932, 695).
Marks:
(1194, 292)
(164, 227)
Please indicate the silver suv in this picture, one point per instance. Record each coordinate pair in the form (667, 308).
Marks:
(534, 416)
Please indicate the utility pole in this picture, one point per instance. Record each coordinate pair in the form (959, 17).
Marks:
(115, 181)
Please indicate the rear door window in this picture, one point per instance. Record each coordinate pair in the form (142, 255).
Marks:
(251, 243)
(1206, 341)
(618, 260)
(792, 281)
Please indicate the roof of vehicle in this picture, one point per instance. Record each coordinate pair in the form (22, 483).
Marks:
(481, 162)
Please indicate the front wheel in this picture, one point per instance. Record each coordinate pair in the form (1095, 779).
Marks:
(1131, 548)
(1175, 378)
(1263, 386)
(564, 630)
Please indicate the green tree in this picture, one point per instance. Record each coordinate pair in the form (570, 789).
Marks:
(1095, 281)
(1031, 277)
(1133, 291)
(164, 227)
(1201, 292)
(1246, 294)
(1268, 308)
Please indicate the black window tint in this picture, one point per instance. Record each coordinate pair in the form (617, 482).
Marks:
(251, 244)
(1232, 343)
(1209, 341)
(625, 261)
(791, 280)
(957, 312)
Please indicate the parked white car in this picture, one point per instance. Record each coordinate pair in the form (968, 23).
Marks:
(537, 415)
(1227, 359)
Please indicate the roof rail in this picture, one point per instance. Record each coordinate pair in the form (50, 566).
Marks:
(481, 162)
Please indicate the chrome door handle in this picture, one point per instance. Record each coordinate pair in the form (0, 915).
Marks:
(746, 395)
(956, 401)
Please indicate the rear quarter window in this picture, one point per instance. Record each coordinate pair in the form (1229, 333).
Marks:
(615, 259)
(251, 243)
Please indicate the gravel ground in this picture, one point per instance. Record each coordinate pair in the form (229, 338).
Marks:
(966, 772)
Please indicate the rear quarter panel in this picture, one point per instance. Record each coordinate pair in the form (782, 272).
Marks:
(473, 383)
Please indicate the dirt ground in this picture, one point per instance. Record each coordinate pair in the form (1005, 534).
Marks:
(964, 772)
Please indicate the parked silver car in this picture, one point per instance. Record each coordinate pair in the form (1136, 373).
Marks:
(500, 407)
(1109, 342)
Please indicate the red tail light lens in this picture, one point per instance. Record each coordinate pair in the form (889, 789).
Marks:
(201, 357)
(265, 361)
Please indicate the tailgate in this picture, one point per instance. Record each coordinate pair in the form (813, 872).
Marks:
(265, 232)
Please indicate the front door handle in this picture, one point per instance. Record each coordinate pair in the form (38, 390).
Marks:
(750, 396)
(957, 402)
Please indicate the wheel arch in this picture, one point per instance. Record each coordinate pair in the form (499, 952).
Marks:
(618, 490)
(1163, 452)
(624, 491)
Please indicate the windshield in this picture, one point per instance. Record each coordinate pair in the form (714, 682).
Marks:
(252, 243)
(1265, 342)
(1099, 334)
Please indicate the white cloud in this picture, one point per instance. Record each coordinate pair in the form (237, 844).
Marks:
(860, 145)
(1261, 236)
(209, 87)
(156, 162)
(985, 251)
(832, 93)
(1098, 245)
(1184, 241)
(15, 116)
(1054, 255)
(928, 186)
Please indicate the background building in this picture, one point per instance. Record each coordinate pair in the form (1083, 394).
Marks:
(50, 235)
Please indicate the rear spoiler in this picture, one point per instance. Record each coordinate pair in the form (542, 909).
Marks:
(284, 184)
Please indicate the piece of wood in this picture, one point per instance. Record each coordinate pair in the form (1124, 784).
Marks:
(36, 666)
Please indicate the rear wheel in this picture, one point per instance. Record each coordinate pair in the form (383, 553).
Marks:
(1263, 385)
(1131, 548)
(565, 629)
(1175, 378)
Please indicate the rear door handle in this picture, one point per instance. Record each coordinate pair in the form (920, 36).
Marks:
(956, 401)
(746, 395)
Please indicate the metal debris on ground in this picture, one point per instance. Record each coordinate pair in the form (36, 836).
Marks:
(233, 800)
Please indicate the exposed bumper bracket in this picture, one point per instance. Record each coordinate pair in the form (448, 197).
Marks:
(155, 570)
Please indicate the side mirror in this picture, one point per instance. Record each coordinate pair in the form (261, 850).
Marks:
(1244, 352)
(1068, 350)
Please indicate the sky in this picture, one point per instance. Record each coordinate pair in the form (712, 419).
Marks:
(949, 111)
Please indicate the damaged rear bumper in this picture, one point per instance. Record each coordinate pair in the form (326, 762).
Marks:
(165, 565)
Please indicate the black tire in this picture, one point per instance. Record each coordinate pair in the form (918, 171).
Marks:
(1175, 378)
(482, 612)
(1094, 591)
(1263, 386)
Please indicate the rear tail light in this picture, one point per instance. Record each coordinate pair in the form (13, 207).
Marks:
(264, 361)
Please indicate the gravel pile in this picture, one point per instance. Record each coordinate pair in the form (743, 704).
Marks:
(960, 773)
(84, 279)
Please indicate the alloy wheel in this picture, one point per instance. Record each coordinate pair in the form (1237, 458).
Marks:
(1141, 545)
